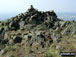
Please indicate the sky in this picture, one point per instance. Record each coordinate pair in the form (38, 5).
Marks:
(9, 8)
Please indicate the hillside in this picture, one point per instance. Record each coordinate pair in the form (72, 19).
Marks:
(36, 34)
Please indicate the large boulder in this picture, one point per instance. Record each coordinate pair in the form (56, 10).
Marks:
(14, 25)
(34, 19)
(51, 13)
(17, 39)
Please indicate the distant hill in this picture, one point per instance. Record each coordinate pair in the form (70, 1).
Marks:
(7, 16)
(67, 16)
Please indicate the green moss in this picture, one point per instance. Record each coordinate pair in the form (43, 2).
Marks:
(52, 53)
(12, 56)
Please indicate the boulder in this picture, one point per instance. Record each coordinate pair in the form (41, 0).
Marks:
(14, 25)
(1, 29)
(17, 39)
(64, 23)
(25, 37)
(41, 35)
(4, 41)
(59, 47)
(56, 37)
(28, 27)
(66, 31)
(52, 13)
(22, 24)
(32, 9)
(11, 42)
(2, 52)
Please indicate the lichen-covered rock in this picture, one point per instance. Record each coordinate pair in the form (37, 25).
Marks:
(22, 24)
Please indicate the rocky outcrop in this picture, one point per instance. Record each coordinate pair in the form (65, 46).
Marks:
(33, 32)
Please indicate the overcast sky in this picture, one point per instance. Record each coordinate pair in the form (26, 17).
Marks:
(18, 6)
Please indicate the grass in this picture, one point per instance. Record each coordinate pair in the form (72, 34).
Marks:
(52, 51)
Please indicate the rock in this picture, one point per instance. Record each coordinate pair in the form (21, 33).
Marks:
(20, 17)
(25, 37)
(74, 32)
(38, 32)
(31, 51)
(29, 27)
(56, 37)
(17, 39)
(52, 13)
(1, 36)
(1, 52)
(47, 23)
(14, 25)
(41, 35)
(70, 28)
(22, 24)
(29, 37)
(6, 35)
(56, 25)
(32, 21)
(35, 45)
(59, 47)
(65, 23)
(4, 41)
(1, 29)
(66, 31)
(32, 10)
(11, 42)
(4, 51)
